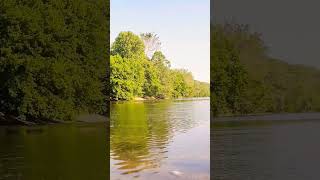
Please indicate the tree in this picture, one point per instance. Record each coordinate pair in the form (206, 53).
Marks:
(151, 42)
(152, 86)
(135, 75)
(163, 68)
(53, 58)
(228, 77)
(183, 83)
(160, 60)
(201, 89)
(125, 78)
(128, 45)
(126, 66)
(245, 79)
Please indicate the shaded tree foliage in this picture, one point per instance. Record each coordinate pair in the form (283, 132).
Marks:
(53, 58)
(245, 79)
(228, 77)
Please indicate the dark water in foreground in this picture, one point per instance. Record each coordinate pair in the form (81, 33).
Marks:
(266, 150)
(55, 152)
(160, 140)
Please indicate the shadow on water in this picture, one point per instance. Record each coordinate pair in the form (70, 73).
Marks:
(272, 148)
(53, 152)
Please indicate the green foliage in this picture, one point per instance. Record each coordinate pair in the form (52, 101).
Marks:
(152, 85)
(183, 83)
(256, 83)
(53, 58)
(128, 45)
(228, 77)
(201, 89)
(160, 60)
(133, 74)
(127, 77)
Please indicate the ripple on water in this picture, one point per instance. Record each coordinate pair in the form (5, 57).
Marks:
(143, 134)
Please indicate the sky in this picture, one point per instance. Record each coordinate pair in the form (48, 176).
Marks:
(289, 28)
(183, 27)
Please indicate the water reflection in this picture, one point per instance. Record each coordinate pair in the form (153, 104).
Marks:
(54, 152)
(137, 142)
(142, 133)
(266, 149)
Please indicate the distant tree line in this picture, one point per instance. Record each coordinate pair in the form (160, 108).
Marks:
(53, 58)
(139, 69)
(246, 80)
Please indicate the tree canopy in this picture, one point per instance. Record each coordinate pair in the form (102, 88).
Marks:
(53, 58)
(246, 80)
(134, 74)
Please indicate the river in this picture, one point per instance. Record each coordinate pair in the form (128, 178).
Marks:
(160, 139)
(54, 152)
(280, 146)
(166, 139)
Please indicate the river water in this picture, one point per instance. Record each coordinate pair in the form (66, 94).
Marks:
(54, 152)
(148, 140)
(160, 139)
(273, 147)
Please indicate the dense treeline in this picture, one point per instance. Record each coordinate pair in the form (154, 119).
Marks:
(244, 79)
(53, 57)
(139, 69)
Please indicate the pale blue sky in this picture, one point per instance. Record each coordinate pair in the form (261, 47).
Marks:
(182, 25)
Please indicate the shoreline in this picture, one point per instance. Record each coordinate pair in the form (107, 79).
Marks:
(137, 99)
(283, 116)
(10, 120)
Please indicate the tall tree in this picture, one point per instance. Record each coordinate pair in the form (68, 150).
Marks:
(151, 42)
(228, 77)
(126, 66)
(128, 45)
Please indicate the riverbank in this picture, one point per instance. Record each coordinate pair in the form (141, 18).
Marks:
(10, 120)
(159, 99)
(270, 116)
(7, 120)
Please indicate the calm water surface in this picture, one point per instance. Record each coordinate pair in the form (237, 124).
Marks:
(267, 150)
(55, 152)
(160, 140)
